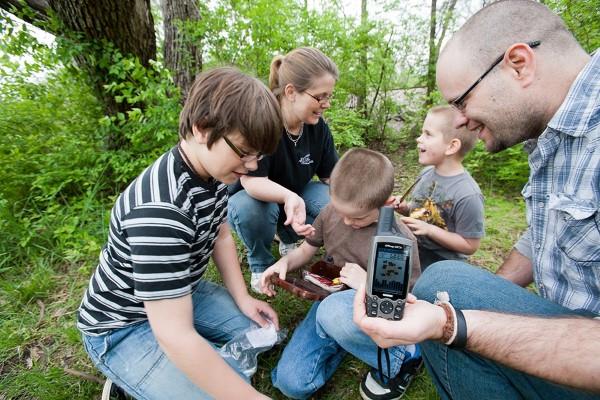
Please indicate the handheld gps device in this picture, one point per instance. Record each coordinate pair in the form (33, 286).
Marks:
(388, 270)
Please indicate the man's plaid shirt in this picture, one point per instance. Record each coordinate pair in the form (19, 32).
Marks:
(563, 199)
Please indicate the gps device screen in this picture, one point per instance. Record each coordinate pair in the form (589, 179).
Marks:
(390, 278)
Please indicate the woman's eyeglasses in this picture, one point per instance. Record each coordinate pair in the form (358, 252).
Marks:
(322, 99)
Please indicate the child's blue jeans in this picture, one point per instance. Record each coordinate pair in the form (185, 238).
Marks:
(255, 222)
(133, 360)
(319, 344)
(464, 375)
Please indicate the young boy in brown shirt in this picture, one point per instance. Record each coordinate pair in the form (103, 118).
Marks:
(361, 183)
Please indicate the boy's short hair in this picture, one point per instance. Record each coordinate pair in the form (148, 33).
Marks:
(363, 178)
(225, 100)
(467, 138)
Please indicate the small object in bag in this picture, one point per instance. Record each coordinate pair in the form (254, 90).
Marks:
(244, 348)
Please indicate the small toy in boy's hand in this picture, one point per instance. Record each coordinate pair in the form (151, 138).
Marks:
(324, 283)
(429, 213)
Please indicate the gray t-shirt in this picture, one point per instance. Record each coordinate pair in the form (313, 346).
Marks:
(459, 202)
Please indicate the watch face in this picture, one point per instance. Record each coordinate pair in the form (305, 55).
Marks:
(390, 274)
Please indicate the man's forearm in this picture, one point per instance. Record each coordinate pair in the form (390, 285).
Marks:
(516, 268)
(561, 350)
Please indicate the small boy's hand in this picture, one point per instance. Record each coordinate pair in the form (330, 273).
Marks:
(280, 267)
(417, 226)
(353, 275)
(400, 207)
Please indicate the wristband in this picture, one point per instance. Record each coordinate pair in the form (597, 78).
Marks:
(449, 329)
(460, 337)
(454, 332)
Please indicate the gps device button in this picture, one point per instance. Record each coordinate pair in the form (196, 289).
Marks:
(386, 307)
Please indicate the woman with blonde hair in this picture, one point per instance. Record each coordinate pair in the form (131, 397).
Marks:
(281, 196)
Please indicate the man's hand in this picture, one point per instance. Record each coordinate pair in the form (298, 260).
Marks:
(295, 212)
(258, 311)
(417, 226)
(280, 267)
(353, 275)
(421, 321)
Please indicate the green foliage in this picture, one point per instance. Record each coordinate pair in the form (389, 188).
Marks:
(250, 34)
(506, 171)
(150, 127)
(582, 18)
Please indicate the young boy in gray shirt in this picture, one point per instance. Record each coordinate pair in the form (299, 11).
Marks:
(445, 211)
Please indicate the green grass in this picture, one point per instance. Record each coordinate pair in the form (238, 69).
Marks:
(41, 356)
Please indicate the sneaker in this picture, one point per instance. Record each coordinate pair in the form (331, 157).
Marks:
(113, 392)
(285, 248)
(371, 387)
(255, 282)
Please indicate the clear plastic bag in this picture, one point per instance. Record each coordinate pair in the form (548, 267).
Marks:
(245, 347)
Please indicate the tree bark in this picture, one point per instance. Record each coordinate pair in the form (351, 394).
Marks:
(37, 10)
(361, 93)
(446, 12)
(183, 57)
(432, 55)
(128, 24)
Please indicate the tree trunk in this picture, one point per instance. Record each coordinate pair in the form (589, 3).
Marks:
(36, 10)
(432, 55)
(183, 57)
(127, 24)
(361, 93)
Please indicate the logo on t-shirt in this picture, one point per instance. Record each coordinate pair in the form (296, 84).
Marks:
(305, 160)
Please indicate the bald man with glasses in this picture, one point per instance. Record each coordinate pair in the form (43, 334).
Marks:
(516, 73)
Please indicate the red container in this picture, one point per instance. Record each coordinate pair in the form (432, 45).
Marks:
(297, 285)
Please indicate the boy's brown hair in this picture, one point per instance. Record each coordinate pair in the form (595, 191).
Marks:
(467, 138)
(224, 100)
(363, 178)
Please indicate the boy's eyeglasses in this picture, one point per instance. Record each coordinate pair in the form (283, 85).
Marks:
(459, 102)
(245, 157)
(321, 99)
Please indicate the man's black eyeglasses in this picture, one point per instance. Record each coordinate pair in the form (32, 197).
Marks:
(321, 99)
(458, 102)
(245, 157)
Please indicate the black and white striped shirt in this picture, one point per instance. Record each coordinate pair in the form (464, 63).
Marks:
(162, 233)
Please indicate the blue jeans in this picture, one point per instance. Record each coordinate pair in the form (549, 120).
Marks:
(255, 222)
(464, 375)
(132, 358)
(319, 344)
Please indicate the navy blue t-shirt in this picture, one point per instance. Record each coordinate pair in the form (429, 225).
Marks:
(293, 166)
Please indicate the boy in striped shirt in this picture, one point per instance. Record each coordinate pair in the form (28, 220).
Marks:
(150, 323)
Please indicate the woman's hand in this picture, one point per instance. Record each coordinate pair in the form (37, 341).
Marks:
(295, 212)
